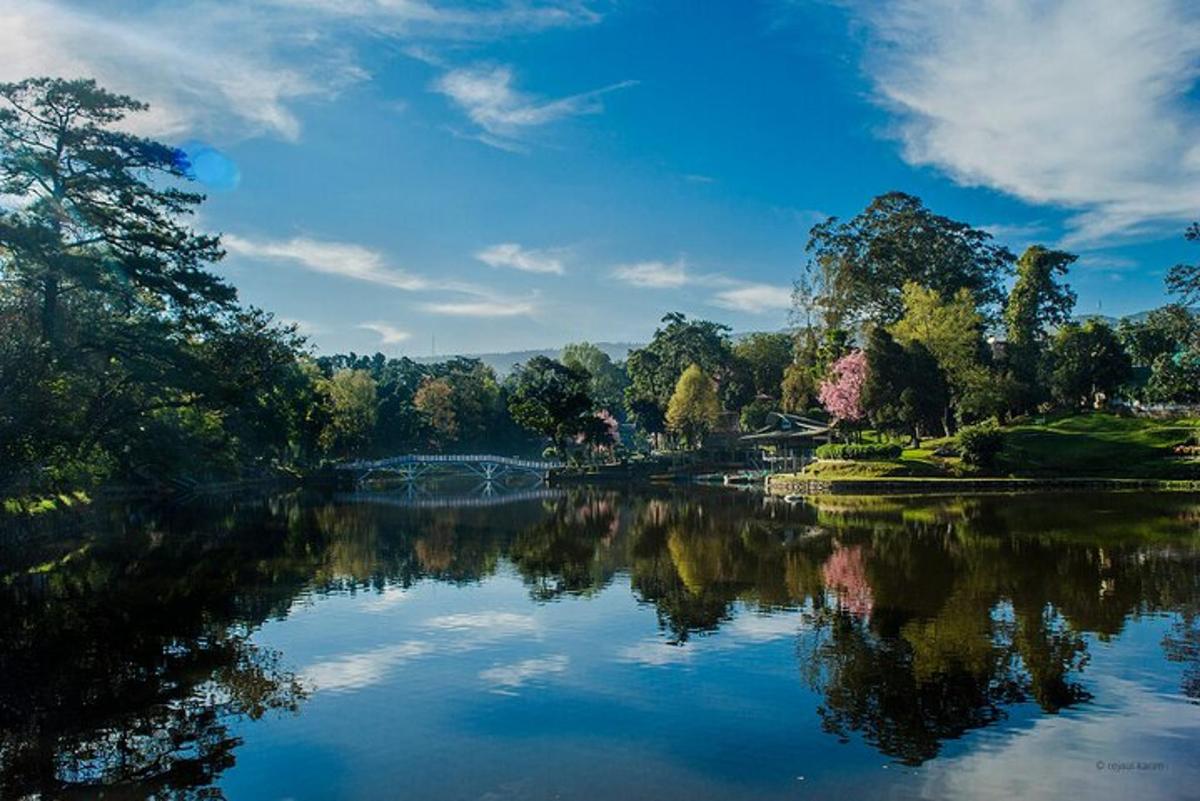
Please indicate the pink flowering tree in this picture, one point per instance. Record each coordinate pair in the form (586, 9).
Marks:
(841, 392)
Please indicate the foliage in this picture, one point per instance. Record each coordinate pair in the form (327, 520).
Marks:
(867, 451)
(694, 408)
(980, 445)
(434, 399)
(655, 369)
(952, 331)
(905, 391)
(552, 399)
(754, 414)
(766, 356)
(351, 396)
(862, 264)
(1038, 301)
(798, 390)
(841, 393)
(1089, 362)
(1183, 280)
(607, 381)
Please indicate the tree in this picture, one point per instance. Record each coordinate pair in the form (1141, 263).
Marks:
(608, 380)
(96, 210)
(952, 331)
(655, 369)
(1038, 301)
(1088, 362)
(904, 391)
(694, 407)
(434, 399)
(841, 392)
(552, 399)
(1168, 330)
(1183, 280)
(861, 265)
(351, 396)
(798, 390)
(766, 356)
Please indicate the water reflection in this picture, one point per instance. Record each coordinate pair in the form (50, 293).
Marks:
(130, 659)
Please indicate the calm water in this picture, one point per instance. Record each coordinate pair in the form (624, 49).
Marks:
(672, 644)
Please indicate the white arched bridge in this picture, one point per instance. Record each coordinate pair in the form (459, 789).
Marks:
(413, 466)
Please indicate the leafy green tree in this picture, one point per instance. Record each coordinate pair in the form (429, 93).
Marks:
(352, 400)
(1088, 362)
(952, 330)
(905, 391)
(655, 369)
(1168, 330)
(861, 265)
(96, 209)
(1183, 280)
(1039, 301)
(434, 400)
(552, 399)
(694, 407)
(766, 356)
(798, 389)
(608, 379)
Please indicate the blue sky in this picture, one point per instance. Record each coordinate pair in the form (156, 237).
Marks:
(487, 176)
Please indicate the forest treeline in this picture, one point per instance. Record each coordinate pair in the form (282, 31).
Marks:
(125, 358)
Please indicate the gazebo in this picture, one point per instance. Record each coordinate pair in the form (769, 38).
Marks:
(787, 441)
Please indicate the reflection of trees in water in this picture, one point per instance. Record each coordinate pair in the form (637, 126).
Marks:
(125, 662)
(126, 656)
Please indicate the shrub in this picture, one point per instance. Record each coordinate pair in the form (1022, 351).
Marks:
(859, 452)
(980, 444)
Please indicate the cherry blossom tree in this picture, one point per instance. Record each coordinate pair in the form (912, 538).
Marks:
(841, 393)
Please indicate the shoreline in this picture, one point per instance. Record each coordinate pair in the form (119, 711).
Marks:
(792, 484)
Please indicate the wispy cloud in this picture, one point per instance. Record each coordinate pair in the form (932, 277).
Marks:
(506, 679)
(510, 254)
(388, 334)
(481, 308)
(653, 274)
(239, 69)
(358, 670)
(331, 258)
(755, 298)
(1082, 104)
(503, 114)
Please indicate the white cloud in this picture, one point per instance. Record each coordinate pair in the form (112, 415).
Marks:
(487, 622)
(510, 254)
(388, 334)
(332, 258)
(1081, 104)
(504, 114)
(656, 653)
(201, 67)
(652, 274)
(481, 308)
(508, 678)
(755, 298)
(358, 670)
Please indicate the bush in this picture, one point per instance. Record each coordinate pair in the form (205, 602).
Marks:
(865, 452)
(980, 444)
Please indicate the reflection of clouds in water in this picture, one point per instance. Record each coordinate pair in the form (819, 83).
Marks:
(752, 627)
(457, 633)
(506, 679)
(495, 623)
(1057, 756)
(746, 628)
(355, 671)
(656, 653)
(386, 600)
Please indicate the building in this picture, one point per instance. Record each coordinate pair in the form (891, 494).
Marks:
(787, 441)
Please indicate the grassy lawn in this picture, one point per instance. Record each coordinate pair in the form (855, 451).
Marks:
(1095, 445)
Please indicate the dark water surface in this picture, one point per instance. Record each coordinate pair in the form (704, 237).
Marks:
(670, 644)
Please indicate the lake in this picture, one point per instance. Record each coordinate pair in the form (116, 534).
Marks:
(670, 643)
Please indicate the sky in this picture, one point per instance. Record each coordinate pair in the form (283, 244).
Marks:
(425, 177)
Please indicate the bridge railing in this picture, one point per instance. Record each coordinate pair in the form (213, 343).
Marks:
(450, 458)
